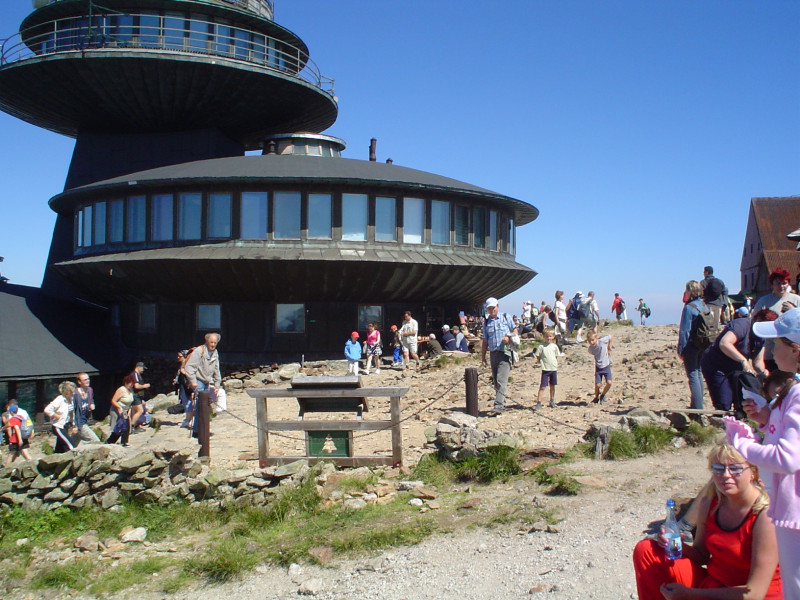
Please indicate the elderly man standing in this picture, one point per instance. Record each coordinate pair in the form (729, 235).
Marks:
(409, 335)
(202, 370)
(497, 330)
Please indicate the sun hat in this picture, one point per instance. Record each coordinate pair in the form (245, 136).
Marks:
(491, 302)
(786, 326)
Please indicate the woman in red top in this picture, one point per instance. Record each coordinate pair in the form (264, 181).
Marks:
(735, 552)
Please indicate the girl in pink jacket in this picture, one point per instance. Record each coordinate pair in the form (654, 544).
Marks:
(778, 454)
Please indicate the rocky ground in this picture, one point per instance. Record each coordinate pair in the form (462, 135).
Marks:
(587, 555)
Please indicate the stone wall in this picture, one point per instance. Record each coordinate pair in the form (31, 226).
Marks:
(99, 475)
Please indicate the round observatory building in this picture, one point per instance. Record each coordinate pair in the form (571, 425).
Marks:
(166, 221)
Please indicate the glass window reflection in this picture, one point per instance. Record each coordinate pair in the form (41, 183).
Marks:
(286, 215)
(440, 222)
(135, 229)
(319, 216)
(413, 220)
(100, 223)
(161, 228)
(190, 208)
(354, 217)
(115, 221)
(385, 219)
(219, 215)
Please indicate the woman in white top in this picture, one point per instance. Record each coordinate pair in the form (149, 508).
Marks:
(560, 328)
(59, 411)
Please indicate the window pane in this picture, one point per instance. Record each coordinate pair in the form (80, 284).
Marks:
(149, 24)
(134, 232)
(254, 216)
(462, 225)
(290, 318)
(385, 219)
(219, 215)
(161, 228)
(189, 216)
(319, 216)
(286, 215)
(413, 220)
(440, 222)
(174, 25)
(209, 316)
(222, 41)
(116, 221)
(198, 34)
(87, 226)
(100, 223)
(79, 228)
(512, 237)
(354, 217)
(479, 224)
(147, 317)
(492, 230)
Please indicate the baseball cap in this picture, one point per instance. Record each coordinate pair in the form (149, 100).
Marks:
(742, 311)
(432, 336)
(393, 327)
(13, 408)
(140, 364)
(491, 302)
(354, 334)
(445, 327)
(786, 326)
(579, 294)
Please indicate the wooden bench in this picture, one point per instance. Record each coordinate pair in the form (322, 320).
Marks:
(329, 394)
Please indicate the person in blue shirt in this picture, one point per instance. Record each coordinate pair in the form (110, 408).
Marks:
(497, 330)
(352, 352)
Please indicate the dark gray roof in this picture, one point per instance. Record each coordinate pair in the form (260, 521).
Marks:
(301, 169)
(44, 337)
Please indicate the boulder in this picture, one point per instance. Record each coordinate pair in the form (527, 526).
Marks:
(232, 385)
(136, 462)
(459, 419)
(161, 402)
(55, 463)
(137, 534)
(290, 469)
(286, 372)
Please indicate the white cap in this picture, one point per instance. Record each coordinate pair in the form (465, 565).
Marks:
(578, 294)
(491, 302)
(432, 336)
(445, 327)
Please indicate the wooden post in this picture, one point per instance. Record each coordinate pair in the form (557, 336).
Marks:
(397, 437)
(263, 434)
(471, 382)
(204, 425)
(601, 443)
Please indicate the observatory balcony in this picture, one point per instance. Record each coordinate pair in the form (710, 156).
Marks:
(133, 34)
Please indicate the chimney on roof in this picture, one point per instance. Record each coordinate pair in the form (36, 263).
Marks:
(373, 146)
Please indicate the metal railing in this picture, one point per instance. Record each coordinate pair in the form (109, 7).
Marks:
(172, 34)
(264, 8)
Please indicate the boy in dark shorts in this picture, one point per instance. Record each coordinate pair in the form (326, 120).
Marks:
(547, 355)
(16, 445)
(601, 349)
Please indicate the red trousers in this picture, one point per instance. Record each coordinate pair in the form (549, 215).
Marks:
(653, 569)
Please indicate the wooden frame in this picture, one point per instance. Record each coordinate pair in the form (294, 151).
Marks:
(307, 395)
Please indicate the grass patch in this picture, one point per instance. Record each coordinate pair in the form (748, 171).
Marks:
(557, 484)
(494, 463)
(697, 435)
(434, 469)
(47, 449)
(622, 445)
(651, 438)
(226, 559)
(128, 577)
(71, 575)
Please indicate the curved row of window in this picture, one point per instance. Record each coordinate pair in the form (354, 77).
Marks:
(165, 219)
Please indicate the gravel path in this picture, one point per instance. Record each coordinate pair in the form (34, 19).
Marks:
(588, 556)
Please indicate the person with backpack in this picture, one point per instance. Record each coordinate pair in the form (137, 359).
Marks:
(589, 313)
(690, 344)
(715, 294)
(17, 444)
(737, 349)
(618, 308)
(573, 313)
(643, 310)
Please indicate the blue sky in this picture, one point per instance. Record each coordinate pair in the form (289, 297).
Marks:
(640, 130)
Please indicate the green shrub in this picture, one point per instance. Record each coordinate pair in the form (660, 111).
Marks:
(558, 484)
(495, 462)
(434, 469)
(697, 435)
(621, 444)
(651, 438)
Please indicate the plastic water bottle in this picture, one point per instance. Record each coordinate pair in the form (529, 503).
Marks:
(672, 532)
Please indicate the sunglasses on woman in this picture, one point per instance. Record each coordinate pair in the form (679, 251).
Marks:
(734, 470)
